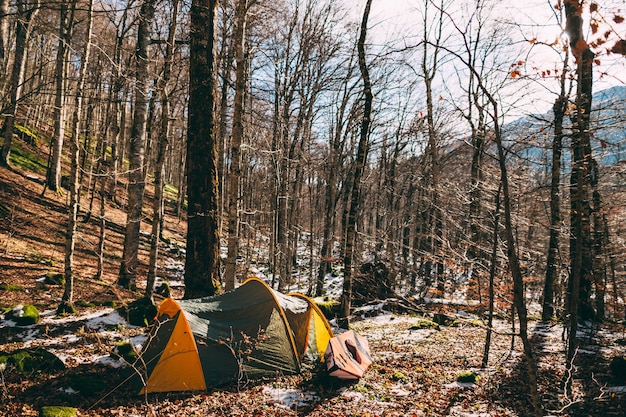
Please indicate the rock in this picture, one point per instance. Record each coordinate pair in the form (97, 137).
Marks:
(24, 315)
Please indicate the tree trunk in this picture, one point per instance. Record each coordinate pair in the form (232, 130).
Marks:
(361, 159)
(235, 147)
(67, 302)
(559, 109)
(202, 261)
(26, 12)
(164, 131)
(136, 179)
(66, 23)
(492, 275)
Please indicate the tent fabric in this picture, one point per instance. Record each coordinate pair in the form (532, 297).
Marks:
(250, 332)
(348, 356)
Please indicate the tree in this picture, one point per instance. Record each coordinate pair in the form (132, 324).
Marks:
(136, 179)
(67, 302)
(26, 12)
(202, 259)
(361, 158)
(66, 27)
(235, 147)
(163, 143)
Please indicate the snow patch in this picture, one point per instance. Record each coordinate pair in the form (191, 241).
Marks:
(290, 398)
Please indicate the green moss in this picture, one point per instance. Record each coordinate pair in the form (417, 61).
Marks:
(110, 303)
(10, 287)
(53, 278)
(468, 376)
(24, 315)
(33, 361)
(398, 377)
(164, 290)
(424, 324)
(83, 303)
(28, 161)
(126, 351)
(57, 411)
(327, 306)
(140, 312)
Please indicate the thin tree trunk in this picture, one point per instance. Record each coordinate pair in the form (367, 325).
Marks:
(157, 206)
(559, 109)
(361, 159)
(235, 147)
(67, 302)
(26, 12)
(60, 74)
(136, 179)
(492, 274)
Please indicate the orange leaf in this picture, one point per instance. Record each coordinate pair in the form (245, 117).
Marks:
(593, 7)
(594, 27)
(618, 19)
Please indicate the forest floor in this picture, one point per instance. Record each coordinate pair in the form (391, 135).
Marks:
(415, 367)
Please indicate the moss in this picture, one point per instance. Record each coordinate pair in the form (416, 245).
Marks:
(398, 377)
(125, 351)
(57, 411)
(327, 306)
(53, 278)
(164, 290)
(26, 160)
(140, 312)
(424, 324)
(468, 376)
(24, 315)
(10, 287)
(110, 303)
(83, 303)
(33, 361)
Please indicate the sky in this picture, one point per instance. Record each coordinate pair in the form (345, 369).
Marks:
(399, 20)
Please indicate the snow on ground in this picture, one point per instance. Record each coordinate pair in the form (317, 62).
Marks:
(290, 398)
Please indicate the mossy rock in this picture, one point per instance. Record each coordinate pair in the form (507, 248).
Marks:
(424, 324)
(468, 376)
(110, 303)
(10, 287)
(24, 315)
(445, 320)
(33, 361)
(53, 278)
(164, 290)
(141, 312)
(327, 306)
(618, 368)
(83, 303)
(57, 411)
(126, 351)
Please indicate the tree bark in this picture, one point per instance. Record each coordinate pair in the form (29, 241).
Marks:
(136, 179)
(66, 23)
(202, 261)
(67, 302)
(559, 109)
(26, 12)
(163, 135)
(235, 147)
(361, 159)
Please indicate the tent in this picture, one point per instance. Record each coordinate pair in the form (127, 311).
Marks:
(250, 332)
(348, 355)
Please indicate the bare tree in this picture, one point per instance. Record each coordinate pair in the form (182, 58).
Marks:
(26, 12)
(361, 158)
(235, 147)
(136, 179)
(67, 302)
